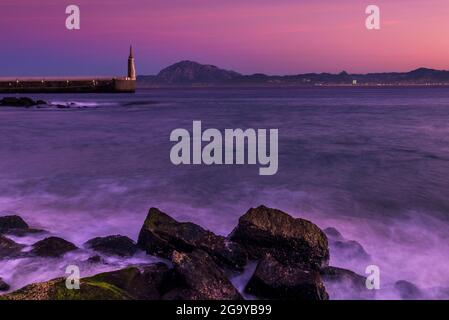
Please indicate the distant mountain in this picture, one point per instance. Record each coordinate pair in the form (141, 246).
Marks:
(193, 72)
(190, 73)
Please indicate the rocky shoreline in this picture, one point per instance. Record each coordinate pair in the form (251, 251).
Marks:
(25, 102)
(291, 257)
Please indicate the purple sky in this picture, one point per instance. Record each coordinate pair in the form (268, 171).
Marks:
(270, 36)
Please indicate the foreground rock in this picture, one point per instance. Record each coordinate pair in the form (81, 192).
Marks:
(15, 225)
(273, 280)
(126, 284)
(113, 245)
(200, 279)
(20, 102)
(9, 248)
(290, 241)
(161, 235)
(345, 249)
(52, 247)
(3, 285)
(344, 284)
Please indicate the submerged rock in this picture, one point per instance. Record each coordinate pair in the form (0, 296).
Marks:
(52, 247)
(274, 280)
(3, 285)
(113, 245)
(289, 240)
(15, 225)
(20, 102)
(11, 223)
(9, 248)
(162, 235)
(345, 284)
(125, 284)
(408, 290)
(200, 279)
(345, 249)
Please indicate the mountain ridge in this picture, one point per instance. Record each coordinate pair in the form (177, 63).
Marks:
(190, 73)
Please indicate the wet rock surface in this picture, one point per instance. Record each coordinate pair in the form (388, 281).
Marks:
(200, 278)
(290, 256)
(274, 280)
(161, 235)
(125, 284)
(113, 245)
(52, 247)
(289, 240)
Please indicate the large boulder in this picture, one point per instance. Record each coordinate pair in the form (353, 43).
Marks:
(113, 245)
(3, 285)
(52, 247)
(289, 240)
(199, 278)
(342, 284)
(9, 248)
(344, 249)
(126, 284)
(274, 280)
(161, 235)
(15, 225)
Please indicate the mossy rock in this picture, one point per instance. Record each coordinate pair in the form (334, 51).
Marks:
(56, 290)
(125, 284)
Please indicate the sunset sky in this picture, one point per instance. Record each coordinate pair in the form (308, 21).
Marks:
(248, 36)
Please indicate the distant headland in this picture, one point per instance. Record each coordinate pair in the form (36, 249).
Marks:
(193, 74)
(73, 84)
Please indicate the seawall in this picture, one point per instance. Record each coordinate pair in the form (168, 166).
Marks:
(69, 85)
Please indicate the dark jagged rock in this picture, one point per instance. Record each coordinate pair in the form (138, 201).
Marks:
(52, 247)
(161, 235)
(9, 248)
(15, 225)
(345, 249)
(125, 284)
(113, 245)
(408, 291)
(20, 102)
(264, 231)
(274, 280)
(3, 285)
(345, 284)
(200, 279)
